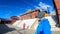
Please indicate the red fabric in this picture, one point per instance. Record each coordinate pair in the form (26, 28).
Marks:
(24, 25)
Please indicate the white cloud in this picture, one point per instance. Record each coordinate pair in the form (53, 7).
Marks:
(46, 7)
(43, 5)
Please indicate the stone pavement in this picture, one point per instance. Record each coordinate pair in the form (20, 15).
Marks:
(28, 32)
(5, 29)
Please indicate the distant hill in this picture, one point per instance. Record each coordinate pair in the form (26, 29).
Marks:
(3, 21)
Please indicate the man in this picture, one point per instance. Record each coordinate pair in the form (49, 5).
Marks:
(44, 26)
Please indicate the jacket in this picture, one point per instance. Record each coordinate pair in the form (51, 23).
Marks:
(43, 27)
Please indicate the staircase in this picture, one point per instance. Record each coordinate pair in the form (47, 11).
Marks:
(30, 31)
(53, 23)
(35, 24)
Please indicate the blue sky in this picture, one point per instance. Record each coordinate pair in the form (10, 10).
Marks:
(10, 8)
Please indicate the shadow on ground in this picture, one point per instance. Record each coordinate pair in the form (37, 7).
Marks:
(4, 29)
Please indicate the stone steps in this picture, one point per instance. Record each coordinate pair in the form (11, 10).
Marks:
(29, 32)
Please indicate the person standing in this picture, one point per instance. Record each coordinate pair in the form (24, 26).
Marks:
(44, 25)
(24, 25)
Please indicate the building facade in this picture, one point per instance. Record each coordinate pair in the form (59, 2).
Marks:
(29, 15)
(57, 6)
(14, 19)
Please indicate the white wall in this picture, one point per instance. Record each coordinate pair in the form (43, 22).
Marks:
(28, 22)
(17, 22)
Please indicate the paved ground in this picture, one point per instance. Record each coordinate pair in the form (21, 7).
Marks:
(29, 32)
(4, 29)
